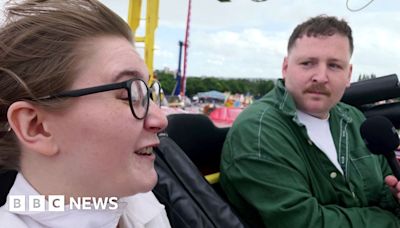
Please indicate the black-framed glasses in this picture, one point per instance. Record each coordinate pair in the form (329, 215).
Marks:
(139, 94)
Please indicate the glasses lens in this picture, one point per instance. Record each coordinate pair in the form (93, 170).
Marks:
(139, 98)
(156, 94)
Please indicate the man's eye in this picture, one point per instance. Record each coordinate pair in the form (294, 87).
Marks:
(308, 63)
(335, 66)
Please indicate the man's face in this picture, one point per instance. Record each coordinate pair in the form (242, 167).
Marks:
(316, 71)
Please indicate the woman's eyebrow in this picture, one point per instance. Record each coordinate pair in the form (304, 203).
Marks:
(130, 73)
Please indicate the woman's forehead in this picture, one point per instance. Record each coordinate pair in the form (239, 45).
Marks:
(112, 59)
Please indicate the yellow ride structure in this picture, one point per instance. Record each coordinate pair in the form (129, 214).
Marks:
(134, 17)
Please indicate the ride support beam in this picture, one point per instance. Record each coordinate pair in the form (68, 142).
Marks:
(134, 17)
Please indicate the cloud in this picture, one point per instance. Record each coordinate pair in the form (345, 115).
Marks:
(247, 53)
(243, 38)
(377, 46)
(247, 39)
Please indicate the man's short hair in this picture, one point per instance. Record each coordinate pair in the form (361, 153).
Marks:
(321, 25)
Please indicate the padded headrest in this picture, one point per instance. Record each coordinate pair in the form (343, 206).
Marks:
(195, 134)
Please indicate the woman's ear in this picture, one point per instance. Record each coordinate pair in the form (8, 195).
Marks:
(29, 125)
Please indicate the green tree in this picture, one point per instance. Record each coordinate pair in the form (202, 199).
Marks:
(194, 85)
(167, 81)
(363, 77)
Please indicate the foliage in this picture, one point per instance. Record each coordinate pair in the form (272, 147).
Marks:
(255, 87)
(363, 77)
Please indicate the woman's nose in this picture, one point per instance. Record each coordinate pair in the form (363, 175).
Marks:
(155, 120)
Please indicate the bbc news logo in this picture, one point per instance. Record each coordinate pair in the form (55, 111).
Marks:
(21, 203)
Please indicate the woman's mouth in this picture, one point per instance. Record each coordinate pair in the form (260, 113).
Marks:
(147, 151)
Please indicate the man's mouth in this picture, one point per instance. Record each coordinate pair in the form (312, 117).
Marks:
(318, 92)
(147, 151)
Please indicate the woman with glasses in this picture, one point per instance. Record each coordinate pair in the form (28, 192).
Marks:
(78, 119)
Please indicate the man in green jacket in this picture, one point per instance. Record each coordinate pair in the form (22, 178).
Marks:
(295, 158)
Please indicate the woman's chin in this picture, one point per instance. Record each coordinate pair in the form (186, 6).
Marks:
(148, 182)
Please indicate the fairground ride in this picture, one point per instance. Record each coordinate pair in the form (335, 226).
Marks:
(152, 9)
(134, 17)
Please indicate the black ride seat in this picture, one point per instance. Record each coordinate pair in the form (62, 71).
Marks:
(190, 201)
(199, 138)
(6, 182)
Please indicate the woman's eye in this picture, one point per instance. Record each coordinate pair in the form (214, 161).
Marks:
(135, 98)
(123, 96)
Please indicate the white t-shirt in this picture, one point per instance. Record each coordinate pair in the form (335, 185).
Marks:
(320, 134)
(139, 211)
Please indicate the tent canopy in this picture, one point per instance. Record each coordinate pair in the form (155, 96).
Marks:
(213, 94)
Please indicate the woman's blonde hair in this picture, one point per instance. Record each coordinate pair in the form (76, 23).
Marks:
(40, 44)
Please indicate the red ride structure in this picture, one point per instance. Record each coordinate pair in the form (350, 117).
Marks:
(185, 50)
(180, 86)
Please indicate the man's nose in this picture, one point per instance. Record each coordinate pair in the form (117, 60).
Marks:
(321, 74)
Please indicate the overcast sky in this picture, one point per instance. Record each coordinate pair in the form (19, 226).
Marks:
(246, 39)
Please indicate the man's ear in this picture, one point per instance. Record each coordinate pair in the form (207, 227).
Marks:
(284, 67)
(29, 125)
(349, 76)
